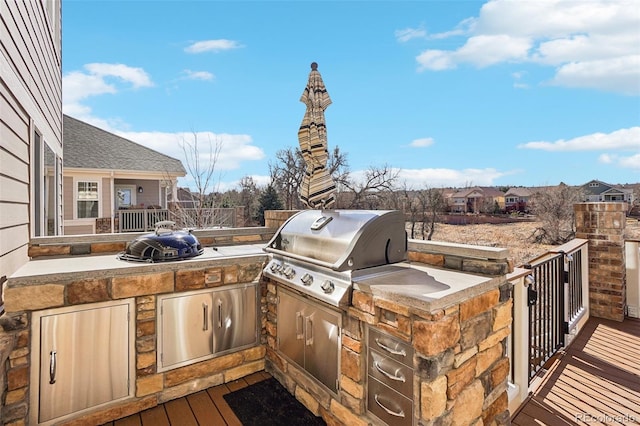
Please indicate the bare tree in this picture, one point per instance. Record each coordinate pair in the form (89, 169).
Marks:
(249, 194)
(554, 208)
(286, 173)
(372, 190)
(432, 203)
(201, 159)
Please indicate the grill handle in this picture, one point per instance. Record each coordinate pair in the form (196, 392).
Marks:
(205, 317)
(299, 326)
(390, 350)
(309, 329)
(52, 367)
(390, 412)
(397, 377)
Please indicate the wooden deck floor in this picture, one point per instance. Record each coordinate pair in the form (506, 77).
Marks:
(204, 408)
(596, 381)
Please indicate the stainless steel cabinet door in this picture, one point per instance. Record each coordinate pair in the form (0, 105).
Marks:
(309, 335)
(187, 329)
(291, 327)
(234, 318)
(84, 360)
(321, 346)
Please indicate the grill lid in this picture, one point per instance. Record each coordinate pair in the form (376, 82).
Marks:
(343, 239)
(163, 245)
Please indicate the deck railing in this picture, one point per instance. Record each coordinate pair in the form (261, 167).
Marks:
(550, 305)
(141, 220)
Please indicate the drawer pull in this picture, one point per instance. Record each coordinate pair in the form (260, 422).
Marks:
(399, 413)
(390, 350)
(396, 377)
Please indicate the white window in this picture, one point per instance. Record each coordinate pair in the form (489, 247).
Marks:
(87, 199)
(594, 185)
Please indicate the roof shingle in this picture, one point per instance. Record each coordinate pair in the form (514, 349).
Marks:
(88, 147)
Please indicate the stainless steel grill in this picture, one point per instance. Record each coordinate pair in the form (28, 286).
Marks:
(317, 251)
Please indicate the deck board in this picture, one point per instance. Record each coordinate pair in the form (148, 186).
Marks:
(204, 410)
(217, 395)
(179, 412)
(596, 380)
(155, 416)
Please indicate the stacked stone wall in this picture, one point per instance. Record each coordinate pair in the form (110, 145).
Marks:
(151, 387)
(460, 364)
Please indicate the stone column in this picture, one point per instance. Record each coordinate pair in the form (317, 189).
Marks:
(603, 225)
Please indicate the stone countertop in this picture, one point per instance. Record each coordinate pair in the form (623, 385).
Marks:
(52, 269)
(424, 287)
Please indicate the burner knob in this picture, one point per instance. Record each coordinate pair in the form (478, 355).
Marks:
(289, 272)
(276, 268)
(328, 287)
(307, 279)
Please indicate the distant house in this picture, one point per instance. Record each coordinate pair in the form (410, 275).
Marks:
(477, 200)
(517, 200)
(596, 191)
(105, 173)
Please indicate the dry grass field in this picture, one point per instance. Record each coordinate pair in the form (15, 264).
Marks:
(514, 236)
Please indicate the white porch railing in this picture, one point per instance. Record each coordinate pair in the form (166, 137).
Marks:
(141, 220)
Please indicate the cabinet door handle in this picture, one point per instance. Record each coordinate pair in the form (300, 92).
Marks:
(396, 377)
(309, 330)
(299, 326)
(390, 350)
(220, 314)
(52, 367)
(390, 412)
(205, 317)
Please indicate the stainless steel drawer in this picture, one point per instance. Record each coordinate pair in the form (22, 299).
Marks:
(390, 372)
(394, 348)
(388, 405)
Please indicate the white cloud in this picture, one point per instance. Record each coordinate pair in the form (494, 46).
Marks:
(606, 158)
(422, 142)
(440, 178)
(136, 76)
(410, 33)
(215, 46)
(621, 75)
(437, 178)
(632, 162)
(234, 149)
(199, 75)
(591, 44)
(623, 139)
(98, 79)
(436, 60)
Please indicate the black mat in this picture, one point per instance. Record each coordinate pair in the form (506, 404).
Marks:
(269, 403)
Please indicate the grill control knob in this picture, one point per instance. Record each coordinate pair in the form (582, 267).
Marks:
(289, 272)
(307, 279)
(274, 267)
(328, 287)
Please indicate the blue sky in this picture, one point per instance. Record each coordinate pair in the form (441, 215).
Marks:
(452, 93)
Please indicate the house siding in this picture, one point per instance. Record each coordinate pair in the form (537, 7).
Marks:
(105, 197)
(30, 101)
(67, 201)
